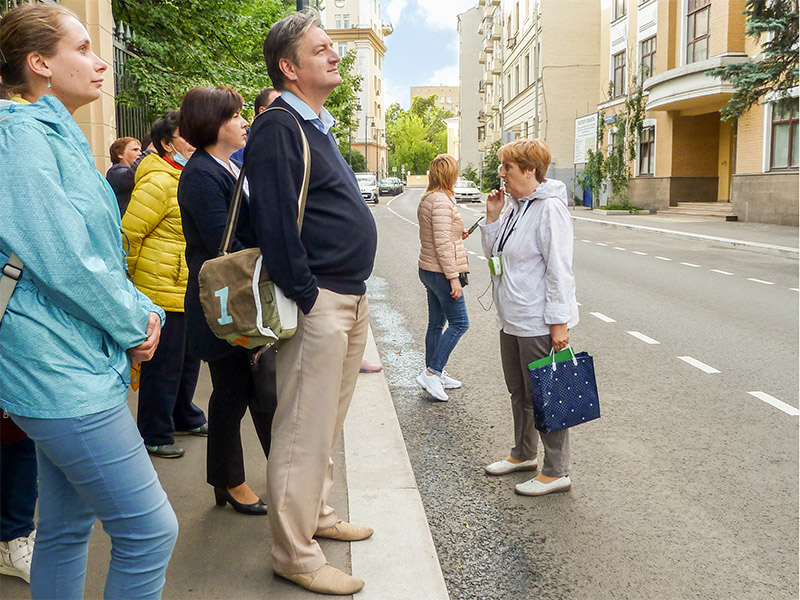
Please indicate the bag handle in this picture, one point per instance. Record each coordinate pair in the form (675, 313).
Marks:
(553, 356)
(10, 275)
(236, 202)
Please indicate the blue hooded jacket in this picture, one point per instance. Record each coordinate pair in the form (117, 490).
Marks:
(74, 313)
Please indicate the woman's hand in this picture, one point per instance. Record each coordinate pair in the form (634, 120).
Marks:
(494, 204)
(144, 351)
(455, 288)
(559, 336)
(464, 234)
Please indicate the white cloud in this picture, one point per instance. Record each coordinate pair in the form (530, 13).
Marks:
(395, 8)
(396, 93)
(445, 76)
(442, 14)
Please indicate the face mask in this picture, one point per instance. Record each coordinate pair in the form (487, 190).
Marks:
(180, 159)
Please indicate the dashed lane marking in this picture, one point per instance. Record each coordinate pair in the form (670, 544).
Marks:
(618, 248)
(694, 266)
(587, 241)
(601, 244)
(721, 272)
(640, 253)
(779, 404)
(700, 365)
(795, 289)
(471, 252)
(602, 317)
(481, 257)
(760, 281)
(643, 337)
(663, 258)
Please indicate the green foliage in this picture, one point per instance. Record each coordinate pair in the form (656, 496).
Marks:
(343, 99)
(491, 165)
(470, 173)
(593, 173)
(416, 136)
(776, 22)
(357, 161)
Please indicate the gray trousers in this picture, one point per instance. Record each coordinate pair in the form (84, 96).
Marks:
(516, 353)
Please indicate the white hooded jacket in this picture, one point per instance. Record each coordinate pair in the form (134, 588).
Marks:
(537, 287)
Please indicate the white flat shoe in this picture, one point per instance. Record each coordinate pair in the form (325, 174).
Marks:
(534, 487)
(433, 385)
(501, 467)
(448, 382)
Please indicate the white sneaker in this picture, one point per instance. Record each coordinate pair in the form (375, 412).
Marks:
(448, 382)
(16, 555)
(534, 487)
(501, 467)
(433, 385)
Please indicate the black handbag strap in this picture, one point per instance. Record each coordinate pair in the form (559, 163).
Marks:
(236, 202)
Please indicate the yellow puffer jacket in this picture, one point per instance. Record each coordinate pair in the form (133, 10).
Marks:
(155, 242)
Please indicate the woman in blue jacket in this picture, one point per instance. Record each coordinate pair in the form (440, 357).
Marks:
(74, 322)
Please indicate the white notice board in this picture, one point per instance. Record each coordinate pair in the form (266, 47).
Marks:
(585, 137)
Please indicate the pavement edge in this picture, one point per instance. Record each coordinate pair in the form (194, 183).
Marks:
(399, 561)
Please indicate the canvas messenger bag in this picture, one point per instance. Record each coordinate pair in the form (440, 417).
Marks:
(241, 304)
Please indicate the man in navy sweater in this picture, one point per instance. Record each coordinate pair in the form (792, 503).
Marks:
(324, 270)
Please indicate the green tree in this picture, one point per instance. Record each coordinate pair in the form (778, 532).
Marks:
(416, 136)
(343, 100)
(775, 22)
(357, 161)
(491, 165)
(470, 173)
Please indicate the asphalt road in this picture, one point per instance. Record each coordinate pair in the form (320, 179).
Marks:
(685, 488)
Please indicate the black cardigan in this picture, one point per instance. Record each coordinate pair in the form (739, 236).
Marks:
(205, 191)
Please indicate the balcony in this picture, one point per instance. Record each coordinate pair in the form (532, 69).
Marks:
(689, 89)
(488, 45)
(497, 66)
(481, 58)
(512, 42)
(493, 2)
(497, 33)
(481, 87)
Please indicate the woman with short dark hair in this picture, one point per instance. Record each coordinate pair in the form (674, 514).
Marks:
(123, 153)
(211, 120)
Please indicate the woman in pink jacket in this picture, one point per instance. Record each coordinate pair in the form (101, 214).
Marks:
(442, 266)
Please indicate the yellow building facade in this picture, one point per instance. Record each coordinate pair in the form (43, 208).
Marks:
(686, 153)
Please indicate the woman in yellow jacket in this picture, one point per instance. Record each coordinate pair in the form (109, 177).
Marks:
(157, 267)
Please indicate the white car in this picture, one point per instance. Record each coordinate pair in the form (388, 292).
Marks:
(466, 191)
(368, 185)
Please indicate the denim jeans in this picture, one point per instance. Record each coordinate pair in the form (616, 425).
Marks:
(440, 342)
(90, 467)
(17, 489)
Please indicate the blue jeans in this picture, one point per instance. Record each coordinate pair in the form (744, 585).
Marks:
(17, 489)
(440, 342)
(90, 467)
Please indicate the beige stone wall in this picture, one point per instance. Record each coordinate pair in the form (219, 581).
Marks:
(98, 120)
(750, 141)
(767, 198)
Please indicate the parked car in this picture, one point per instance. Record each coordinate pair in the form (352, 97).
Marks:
(390, 186)
(466, 191)
(368, 185)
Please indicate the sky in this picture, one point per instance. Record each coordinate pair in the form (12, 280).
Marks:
(423, 50)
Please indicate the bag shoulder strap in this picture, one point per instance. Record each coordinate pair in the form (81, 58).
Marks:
(11, 273)
(236, 202)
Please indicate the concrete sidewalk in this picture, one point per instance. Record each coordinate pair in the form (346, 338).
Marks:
(775, 240)
(222, 554)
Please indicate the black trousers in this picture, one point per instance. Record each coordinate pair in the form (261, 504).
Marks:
(238, 385)
(167, 387)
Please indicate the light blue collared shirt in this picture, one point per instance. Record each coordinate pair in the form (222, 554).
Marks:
(322, 121)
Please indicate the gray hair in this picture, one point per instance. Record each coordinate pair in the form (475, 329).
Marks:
(283, 41)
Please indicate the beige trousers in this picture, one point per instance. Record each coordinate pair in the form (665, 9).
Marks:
(317, 370)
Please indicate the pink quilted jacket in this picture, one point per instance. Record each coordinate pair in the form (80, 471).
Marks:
(440, 227)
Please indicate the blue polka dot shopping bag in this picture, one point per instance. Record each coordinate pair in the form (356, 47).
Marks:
(563, 390)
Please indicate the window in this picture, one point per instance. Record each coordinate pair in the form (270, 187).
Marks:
(647, 158)
(338, 21)
(785, 142)
(342, 48)
(516, 15)
(619, 9)
(647, 62)
(516, 80)
(698, 21)
(618, 62)
(346, 21)
(527, 70)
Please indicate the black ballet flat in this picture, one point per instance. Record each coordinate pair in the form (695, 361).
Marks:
(223, 496)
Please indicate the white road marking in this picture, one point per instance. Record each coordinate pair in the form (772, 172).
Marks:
(601, 244)
(696, 363)
(481, 257)
(578, 303)
(663, 258)
(602, 317)
(389, 206)
(721, 272)
(587, 241)
(640, 253)
(694, 266)
(471, 252)
(779, 404)
(795, 289)
(618, 248)
(643, 337)
(760, 281)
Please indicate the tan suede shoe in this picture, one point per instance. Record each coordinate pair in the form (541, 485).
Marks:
(326, 580)
(346, 532)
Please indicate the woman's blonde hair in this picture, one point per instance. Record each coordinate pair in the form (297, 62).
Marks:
(530, 155)
(443, 174)
(25, 29)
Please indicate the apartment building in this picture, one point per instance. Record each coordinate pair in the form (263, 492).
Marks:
(470, 75)
(686, 153)
(447, 96)
(541, 67)
(360, 25)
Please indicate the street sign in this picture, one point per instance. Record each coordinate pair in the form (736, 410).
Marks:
(585, 138)
(394, 169)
